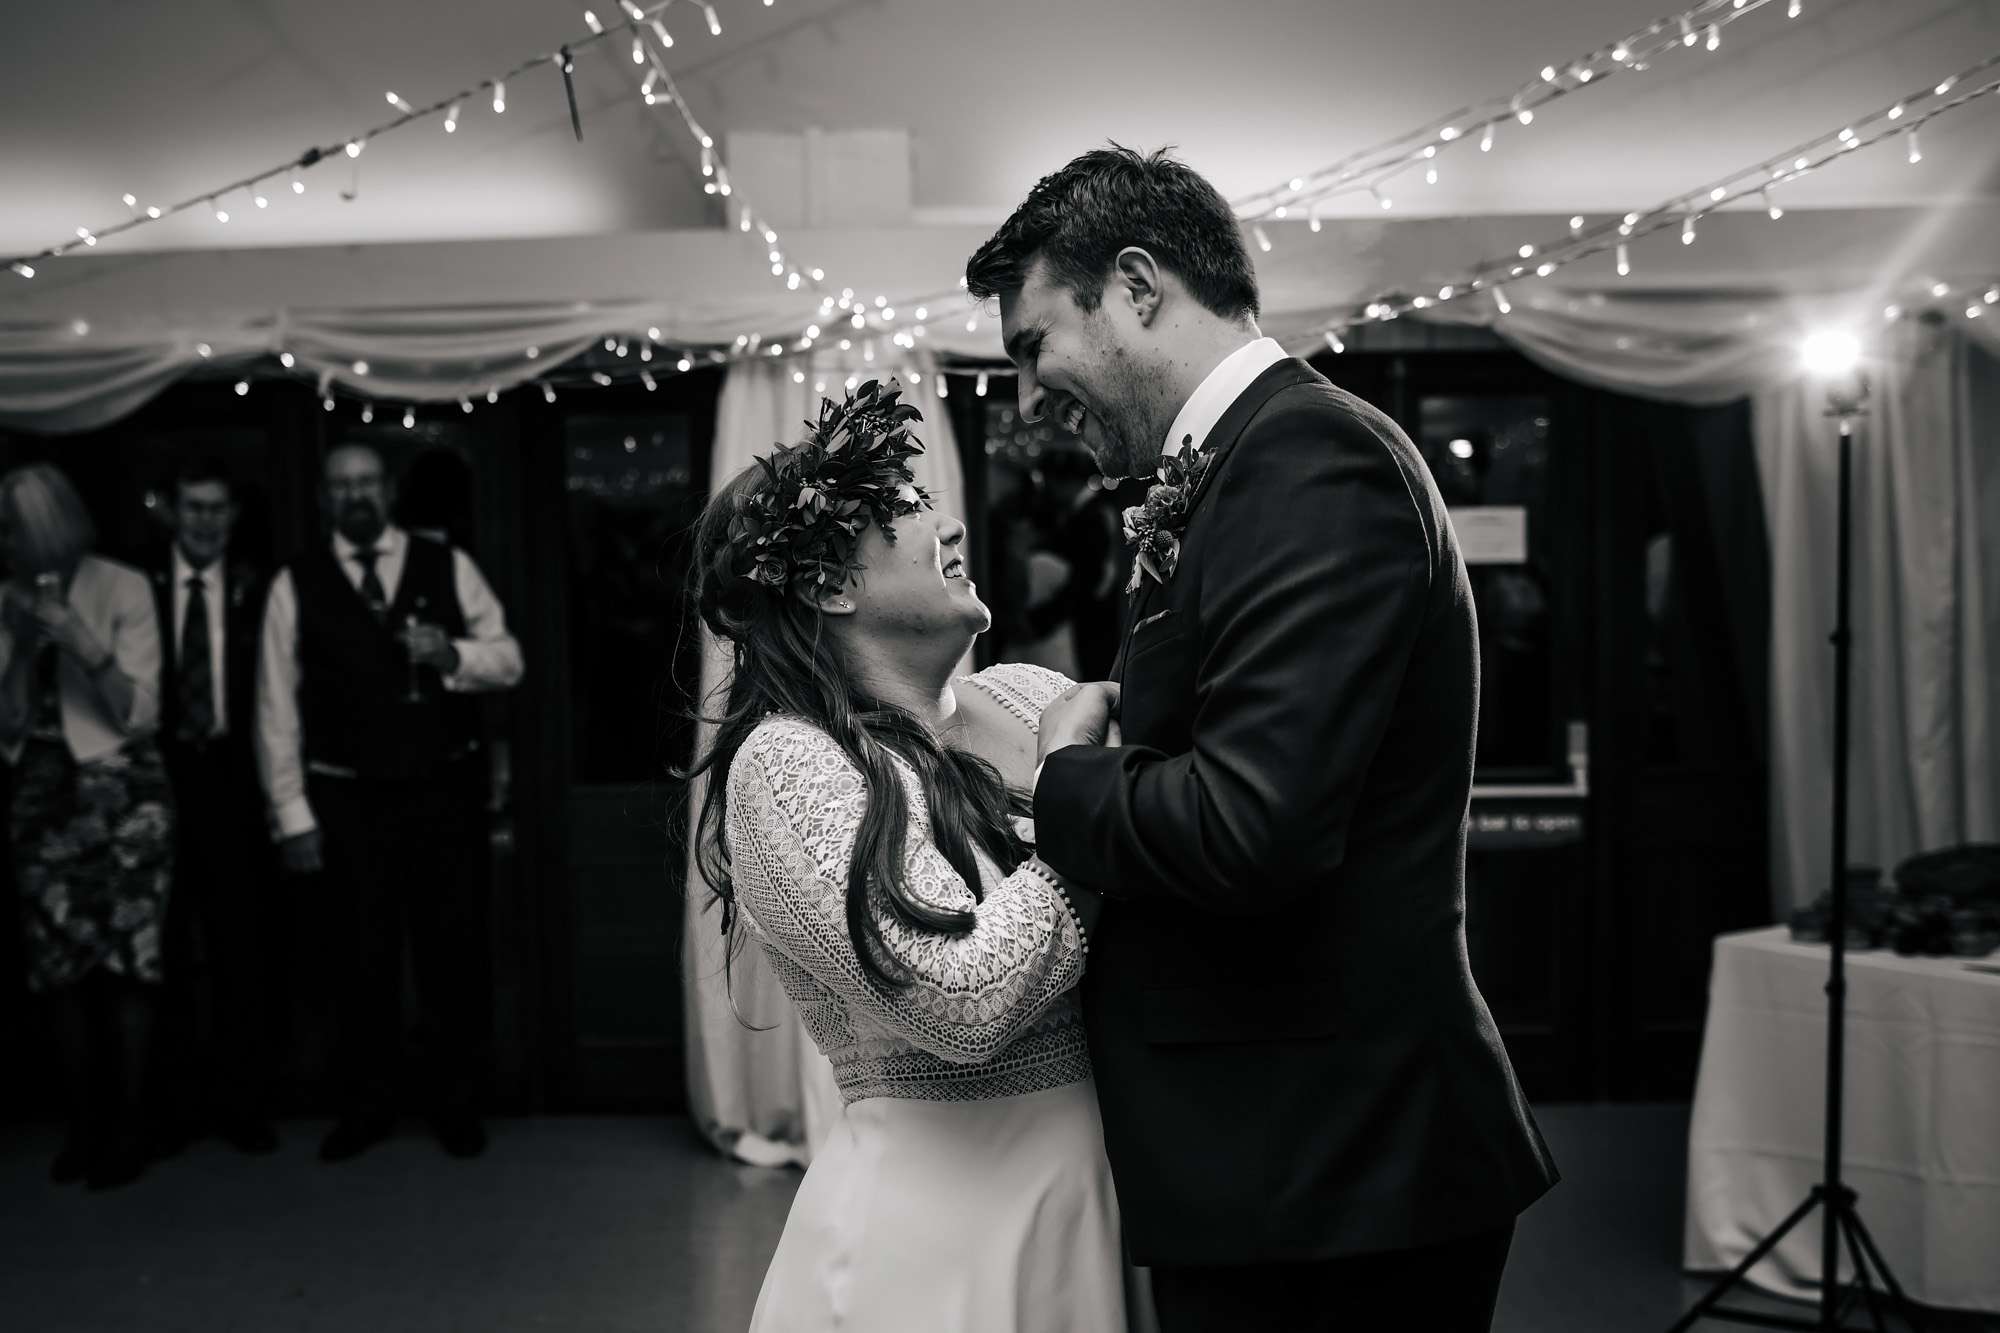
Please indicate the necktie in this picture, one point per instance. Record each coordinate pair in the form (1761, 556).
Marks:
(371, 587)
(197, 665)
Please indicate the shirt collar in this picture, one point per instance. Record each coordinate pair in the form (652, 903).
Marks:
(1224, 385)
(386, 546)
(183, 571)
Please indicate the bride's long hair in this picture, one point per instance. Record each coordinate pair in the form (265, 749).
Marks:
(784, 662)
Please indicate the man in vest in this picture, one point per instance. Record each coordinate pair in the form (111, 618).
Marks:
(368, 744)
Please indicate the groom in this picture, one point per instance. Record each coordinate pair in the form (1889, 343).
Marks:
(1309, 1113)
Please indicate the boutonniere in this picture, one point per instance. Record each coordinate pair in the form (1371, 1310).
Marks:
(1154, 528)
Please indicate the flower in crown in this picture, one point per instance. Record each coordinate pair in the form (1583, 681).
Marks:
(801, 529)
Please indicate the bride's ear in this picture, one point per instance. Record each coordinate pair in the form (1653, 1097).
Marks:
(829, 602)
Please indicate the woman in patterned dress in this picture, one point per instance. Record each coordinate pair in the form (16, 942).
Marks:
(870, 838)
(92, 817)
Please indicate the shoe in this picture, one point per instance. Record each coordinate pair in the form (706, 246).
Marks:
(72, 1159)
(253, 1138)
(354, 1135)
(118, 1163)
(460, 1135)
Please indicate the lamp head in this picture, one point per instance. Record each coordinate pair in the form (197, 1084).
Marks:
(1833, 357)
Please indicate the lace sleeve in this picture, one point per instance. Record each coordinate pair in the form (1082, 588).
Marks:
(795, 808)
(1023, 688)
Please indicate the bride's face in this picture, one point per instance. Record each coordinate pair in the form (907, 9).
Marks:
(916, 585)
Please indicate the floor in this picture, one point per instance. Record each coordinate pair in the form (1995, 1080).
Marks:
(598, 1225)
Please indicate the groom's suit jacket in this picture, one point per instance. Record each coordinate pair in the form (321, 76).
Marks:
(1291, 1056)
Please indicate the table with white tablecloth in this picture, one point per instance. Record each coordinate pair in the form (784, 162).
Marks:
(1922, 1118)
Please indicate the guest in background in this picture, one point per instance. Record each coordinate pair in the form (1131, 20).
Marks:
(92, 816)
(221, 933)
(367, 741)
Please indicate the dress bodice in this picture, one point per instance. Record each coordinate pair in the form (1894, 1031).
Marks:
(988, 1012)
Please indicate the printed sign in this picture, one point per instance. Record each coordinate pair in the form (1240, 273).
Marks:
(1491, 534)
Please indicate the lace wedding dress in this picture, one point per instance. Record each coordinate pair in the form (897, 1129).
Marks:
(965, 1187)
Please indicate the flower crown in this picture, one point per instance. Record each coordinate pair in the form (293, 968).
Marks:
(801, 528)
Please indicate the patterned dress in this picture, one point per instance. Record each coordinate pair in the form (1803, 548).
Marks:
(965, 1186)
(93, 850)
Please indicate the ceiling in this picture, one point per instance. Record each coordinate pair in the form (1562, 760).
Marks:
(168, 101)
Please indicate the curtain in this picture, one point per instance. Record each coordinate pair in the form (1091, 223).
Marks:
(1925, 759)
(757, 1086)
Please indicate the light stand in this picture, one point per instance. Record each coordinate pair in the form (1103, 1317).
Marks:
(1835, 358)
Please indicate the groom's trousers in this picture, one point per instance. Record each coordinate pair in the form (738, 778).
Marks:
(1445, 1288)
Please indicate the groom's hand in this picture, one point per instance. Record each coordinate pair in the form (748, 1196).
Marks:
(1084, 715)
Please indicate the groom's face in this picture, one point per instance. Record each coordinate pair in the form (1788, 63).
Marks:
(1082, 371)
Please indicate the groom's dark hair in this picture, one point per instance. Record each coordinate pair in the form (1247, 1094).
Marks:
(1076, 220)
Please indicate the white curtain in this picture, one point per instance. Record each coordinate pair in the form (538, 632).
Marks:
(1925, 760)
(767, 1096)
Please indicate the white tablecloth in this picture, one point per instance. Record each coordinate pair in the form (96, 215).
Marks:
(1922, 1126)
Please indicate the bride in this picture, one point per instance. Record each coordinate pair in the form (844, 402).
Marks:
(870, 836)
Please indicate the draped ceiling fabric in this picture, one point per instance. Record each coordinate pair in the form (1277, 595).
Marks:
(757, 1086)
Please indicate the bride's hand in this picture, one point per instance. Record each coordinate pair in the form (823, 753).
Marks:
(1084, 715)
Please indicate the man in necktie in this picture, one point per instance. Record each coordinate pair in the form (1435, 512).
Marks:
(374, 648)
(222, 934)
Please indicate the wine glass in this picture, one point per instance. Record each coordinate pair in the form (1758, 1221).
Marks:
(414, 694)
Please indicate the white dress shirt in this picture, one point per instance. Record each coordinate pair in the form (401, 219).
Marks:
(213, 591)
(489, 658)
(1220, 388)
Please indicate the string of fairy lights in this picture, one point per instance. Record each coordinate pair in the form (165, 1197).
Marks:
(1367, 170)
(1613, 236)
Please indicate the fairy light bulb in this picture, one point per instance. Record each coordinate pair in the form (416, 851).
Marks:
(203, 350)
(1576, 225)
(1548, 74)
(1312, 220)
(1896, 111)
(979, 385)
(451, 119)
(548, 392)
(499, 97)
(1916, 149)
(260, 201)
(1624, 261)
(714, 23)
(465, 406)
(792, 281)
(221, 213)
(243, 388)
(1687, 230)
(1771, 206)
(1714, 37)
(287, 360)
(922, 313)
(1793, 9)
(638, 50)
(1382, 201)
(660, 31)
(1526, 252)
(638, 14)
(1940, 290)
(153, 212)
(683, 365)
(1543, 269)
(943, 390)
(1445, 292)
(367, 413)
(1431, 175)
(646, 378)
(492, 395)
(972, 325)
(1263, 239)
(591, 19)
(354, 148)
(1687, 32)
(1333, 342)
(298, 182)
(409, 418)
(360, 367)
(1500, 301)
(1992, 296)
(24, 269)
(1621, 53)
(1946, 85)
(1525, 115)
(327, 403)
(401, 105)
(1486, 139)
(819, 275)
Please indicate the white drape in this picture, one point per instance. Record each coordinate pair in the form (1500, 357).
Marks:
(768, 1096)
(1925, 760)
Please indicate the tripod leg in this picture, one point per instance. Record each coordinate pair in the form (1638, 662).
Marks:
(1750, 1261)
(1904, 1305)
(1861, 1279)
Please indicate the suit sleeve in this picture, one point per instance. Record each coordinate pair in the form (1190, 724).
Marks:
(1313, 589)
